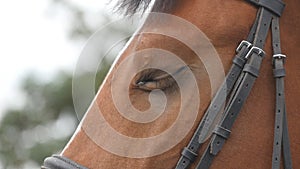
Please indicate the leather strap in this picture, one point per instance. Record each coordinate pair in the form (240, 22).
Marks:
(281, 138)
(275, 6)
(190, 153)
(286, 144)
(243, 88)
(59, 162)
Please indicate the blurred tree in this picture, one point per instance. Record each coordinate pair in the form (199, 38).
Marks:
(26, 132)
(38, 128)
(83, 23)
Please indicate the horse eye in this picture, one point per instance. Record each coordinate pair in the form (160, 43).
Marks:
(157, 83)
(148, 86)
(152, 79)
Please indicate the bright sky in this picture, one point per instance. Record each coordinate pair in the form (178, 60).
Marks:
(33, 39)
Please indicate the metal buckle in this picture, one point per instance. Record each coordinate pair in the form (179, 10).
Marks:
(257, 50)
(242, 44)
(279, 56)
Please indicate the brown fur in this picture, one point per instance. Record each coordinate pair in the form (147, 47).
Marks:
(130, 7)
(226, 23)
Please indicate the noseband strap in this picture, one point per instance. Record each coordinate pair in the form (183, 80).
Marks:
(59, 162)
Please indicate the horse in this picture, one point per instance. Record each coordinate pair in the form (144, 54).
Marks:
(225, 23)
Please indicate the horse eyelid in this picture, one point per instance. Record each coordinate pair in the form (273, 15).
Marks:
(151, 85)
(160, 82)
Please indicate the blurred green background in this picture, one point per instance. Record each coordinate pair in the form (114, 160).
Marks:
(45, 120)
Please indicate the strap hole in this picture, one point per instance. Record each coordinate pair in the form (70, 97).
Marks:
(276, 143)
(183, 162)
(276, 27)
(239, 101)
(279, 94)
(192, 148)
(265, 24)
(276, 158)
(278, 110)
(232, 74)
(232, 114)
(277, 127)
(260, 41)
(276, 45)
(247, 85)
(218, 142)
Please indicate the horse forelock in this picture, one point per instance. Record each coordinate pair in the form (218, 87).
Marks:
(130, 7)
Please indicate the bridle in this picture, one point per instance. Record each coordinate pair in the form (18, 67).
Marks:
(237, 85)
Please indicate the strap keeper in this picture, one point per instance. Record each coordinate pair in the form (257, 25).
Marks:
(221, 131)
(279, 73)
(189, 154)
(251, 69)
(239, 62)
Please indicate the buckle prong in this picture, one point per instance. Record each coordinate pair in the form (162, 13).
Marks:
(279, 56)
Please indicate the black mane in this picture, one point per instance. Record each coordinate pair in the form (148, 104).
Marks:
(130, 7)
